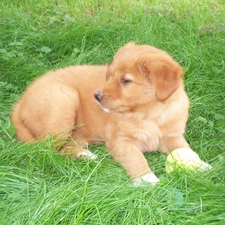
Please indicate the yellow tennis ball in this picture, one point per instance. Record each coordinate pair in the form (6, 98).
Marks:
(183, 158)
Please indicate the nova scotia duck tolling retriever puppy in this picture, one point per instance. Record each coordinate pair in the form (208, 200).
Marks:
(136, 104)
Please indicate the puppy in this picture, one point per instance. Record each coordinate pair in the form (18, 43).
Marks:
(137, 104)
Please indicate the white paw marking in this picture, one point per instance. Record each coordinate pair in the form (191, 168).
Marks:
(87, 154)
(147, 178)
(205, 166)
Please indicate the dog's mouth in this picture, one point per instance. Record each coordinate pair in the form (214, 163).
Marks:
(115, 109)
(105, 109)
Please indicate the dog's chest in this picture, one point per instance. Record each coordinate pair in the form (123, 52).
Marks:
(145, 134)
(148, 136)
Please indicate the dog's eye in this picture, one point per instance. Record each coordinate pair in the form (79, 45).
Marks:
(125, 81)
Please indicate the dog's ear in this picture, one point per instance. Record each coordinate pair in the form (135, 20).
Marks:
(165, 77)
(109, 71)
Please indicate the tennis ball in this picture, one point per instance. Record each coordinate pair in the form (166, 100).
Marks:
(183, 158)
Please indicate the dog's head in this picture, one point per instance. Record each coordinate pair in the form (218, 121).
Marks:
(137, 76)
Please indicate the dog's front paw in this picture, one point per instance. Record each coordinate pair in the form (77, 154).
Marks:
(205, 166)
(147, 178)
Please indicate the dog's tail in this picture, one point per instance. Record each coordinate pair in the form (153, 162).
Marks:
(22, 132)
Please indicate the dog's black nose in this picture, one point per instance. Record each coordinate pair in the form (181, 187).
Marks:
(98, 96)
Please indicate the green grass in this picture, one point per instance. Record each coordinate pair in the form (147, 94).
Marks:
(38, 185)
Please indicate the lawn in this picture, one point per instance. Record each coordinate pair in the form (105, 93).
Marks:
(38, 185)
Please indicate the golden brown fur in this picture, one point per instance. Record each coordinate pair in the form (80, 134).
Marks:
(141, 107)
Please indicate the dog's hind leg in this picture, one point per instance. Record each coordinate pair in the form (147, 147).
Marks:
(50, 113)
(62, 125)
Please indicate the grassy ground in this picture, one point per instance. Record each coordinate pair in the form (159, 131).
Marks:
(37, 185)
